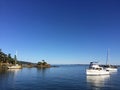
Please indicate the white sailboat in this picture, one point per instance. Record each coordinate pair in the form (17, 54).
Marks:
(16, 66)
(95, 69)
(108, 66)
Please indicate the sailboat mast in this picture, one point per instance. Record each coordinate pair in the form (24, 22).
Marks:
(16, 57)
(107, 57)
(16, 54)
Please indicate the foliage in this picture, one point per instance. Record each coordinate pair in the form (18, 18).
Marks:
(4, 58)
(39, 63)
(42, 63)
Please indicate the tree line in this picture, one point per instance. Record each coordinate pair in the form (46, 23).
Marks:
(7, 58)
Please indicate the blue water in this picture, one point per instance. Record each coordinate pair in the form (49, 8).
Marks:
(65, 77)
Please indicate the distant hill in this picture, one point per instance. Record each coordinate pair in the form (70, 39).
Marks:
(25, 62)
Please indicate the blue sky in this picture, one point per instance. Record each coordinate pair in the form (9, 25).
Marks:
(61, 31)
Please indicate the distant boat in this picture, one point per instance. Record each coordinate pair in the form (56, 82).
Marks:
(108, 66)
(111, 68)
(95, 69)
(16, 66)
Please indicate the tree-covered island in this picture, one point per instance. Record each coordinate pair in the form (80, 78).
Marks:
(43, 64)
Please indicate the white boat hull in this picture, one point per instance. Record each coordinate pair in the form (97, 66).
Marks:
(97, 72)
(111, 69)
(15, 67)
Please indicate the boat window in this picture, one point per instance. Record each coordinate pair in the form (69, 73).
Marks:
(98, 68)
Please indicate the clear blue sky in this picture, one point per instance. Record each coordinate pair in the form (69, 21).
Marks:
(61, 31)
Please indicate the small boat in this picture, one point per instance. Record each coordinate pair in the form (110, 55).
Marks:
(95, 69)
(111, 68)
(16, 66)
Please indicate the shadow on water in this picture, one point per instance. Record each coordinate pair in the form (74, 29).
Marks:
(97, 82)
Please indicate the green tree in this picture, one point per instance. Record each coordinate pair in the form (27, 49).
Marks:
(0, 50)
(15, 59)
(10, 59)
(39, 63)
(43, 62)
(4, 58)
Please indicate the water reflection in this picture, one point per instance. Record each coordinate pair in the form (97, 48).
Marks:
(8, 73)
(97, 82)
(8, 77)
(3, 71)
(113, 72)
(14, 71)
(42, 71)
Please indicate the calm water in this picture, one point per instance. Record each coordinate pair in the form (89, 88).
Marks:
(69, 77)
